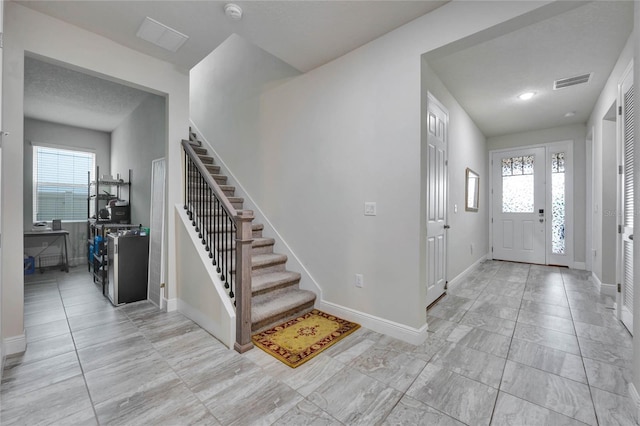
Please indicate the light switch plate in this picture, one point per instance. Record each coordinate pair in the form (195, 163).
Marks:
(370, 208)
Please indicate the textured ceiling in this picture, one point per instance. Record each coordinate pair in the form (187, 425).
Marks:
(60, 95)
(487, 77)
(305, 34)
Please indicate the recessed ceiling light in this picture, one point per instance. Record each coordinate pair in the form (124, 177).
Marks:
(526, 96)
(233, 11)
(161, 35)
(570, 114)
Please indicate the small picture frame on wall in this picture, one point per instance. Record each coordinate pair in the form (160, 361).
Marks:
(472, 190)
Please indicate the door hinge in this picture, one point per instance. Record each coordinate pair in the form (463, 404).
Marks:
(491, 249)
(619, 229)
(1, 40)
(620, 169)
(619, 288)
(491, 220)
(446, 162)
(620, 110)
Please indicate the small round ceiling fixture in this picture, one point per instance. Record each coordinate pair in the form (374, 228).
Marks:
(233, 11)
(570, 114)
(526, 96)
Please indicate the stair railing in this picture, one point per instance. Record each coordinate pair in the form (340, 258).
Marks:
(218, 224)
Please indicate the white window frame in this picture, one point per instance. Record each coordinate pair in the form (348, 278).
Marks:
(35, 148)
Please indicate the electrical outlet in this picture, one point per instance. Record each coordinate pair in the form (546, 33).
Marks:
(359, 280)
(370, 208)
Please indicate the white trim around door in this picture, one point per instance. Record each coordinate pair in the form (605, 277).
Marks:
(543, 232)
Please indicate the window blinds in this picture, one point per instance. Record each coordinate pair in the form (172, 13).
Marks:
(60, 187)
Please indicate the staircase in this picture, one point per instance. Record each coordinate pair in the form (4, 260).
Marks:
(275, 293)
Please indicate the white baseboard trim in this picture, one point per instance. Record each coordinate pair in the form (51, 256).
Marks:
(170, 304)
(15, 344)
(604, 288)
(580, 265)
(609, 289)
(462, 274)
(412, 335)
(207, 324)
(635, 398)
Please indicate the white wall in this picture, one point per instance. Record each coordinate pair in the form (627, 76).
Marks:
(30, 31)
(44, 132)
(635, 385)
(604, 149)
(350, 132)
(135, 143)
(576, 133)
(467, 148)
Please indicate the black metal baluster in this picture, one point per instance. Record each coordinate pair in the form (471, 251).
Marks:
(186, 178)
(216, 260)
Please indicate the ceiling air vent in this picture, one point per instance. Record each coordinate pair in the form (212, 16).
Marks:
(571, 81)
(161, 35)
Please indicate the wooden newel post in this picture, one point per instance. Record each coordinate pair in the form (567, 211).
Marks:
(244, 238)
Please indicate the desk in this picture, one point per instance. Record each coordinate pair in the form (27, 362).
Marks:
(56, 235)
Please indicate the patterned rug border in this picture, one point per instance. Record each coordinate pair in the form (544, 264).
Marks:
(261, 340)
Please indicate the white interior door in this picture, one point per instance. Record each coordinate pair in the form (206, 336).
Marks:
(626, 202)
(519, 201)
(437, 123)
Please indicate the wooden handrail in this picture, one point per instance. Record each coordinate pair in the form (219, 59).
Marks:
(241, 220)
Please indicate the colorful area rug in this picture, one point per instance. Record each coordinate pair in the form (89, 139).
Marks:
(300, 339)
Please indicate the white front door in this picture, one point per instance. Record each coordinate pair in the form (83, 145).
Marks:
(519, 202)
(626, 202)
(437, 123)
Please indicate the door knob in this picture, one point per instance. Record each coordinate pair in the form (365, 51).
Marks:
(447, 227)
(631, 237)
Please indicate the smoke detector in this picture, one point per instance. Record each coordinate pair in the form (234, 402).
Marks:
(233, 11)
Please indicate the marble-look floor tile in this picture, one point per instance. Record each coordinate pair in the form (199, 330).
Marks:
(489, 323)
(546, 296)
(545, 337)
(33, 307)
(347, 349)
(355, 398)
(393, 344)
(467, 293)
(410, 411)
(481, 340)
(82, 299)
(600, 308)
(163, 401)
(504, 288)
(428, 348)
(448, 313)
(95, 319)
(608, 377)
(511, 411)
(608, 335)
(130, 347)
(545, 308)
(47, 330)
(464, 399)
(213, 375)
(263, 402)
(42, 349)
(611, 354)
(613, 409)
(546, 321)
(106, 333)
(507, 302)
(184, 350)
(595, 318)
(548, 359)
(126, 377)
(494, 310)
(44, 317)
(395, 369)
(306, 413)
(550, 391)
(470, 363)
(439, 327)
(49, 405)
(29, 377)
(580, 296)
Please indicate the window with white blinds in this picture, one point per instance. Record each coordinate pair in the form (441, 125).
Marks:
(60, 183)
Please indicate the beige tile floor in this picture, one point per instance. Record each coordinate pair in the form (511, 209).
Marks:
(511, 344)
